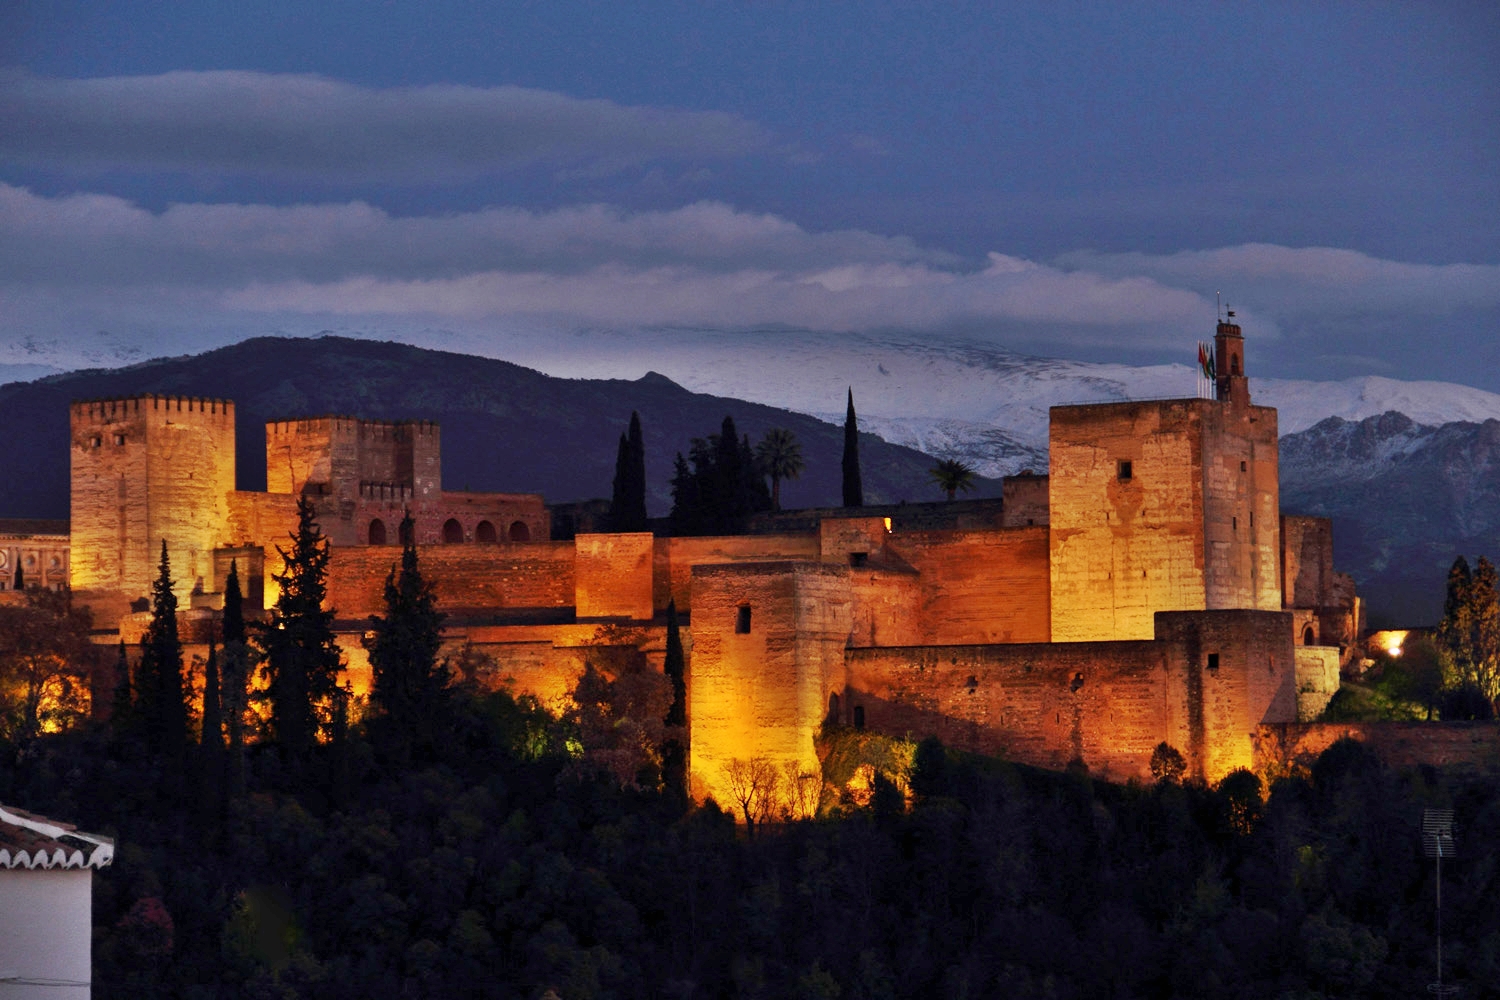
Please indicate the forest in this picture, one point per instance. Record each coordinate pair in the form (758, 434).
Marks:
(456, 842)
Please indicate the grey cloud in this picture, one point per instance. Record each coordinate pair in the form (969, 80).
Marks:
(263, 123)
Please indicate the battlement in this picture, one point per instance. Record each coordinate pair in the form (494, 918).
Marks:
(111, 409)
(376, 430)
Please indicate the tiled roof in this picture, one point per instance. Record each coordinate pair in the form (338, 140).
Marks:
(28, 841)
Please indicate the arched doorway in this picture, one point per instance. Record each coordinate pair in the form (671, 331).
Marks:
(453, 532)
(484, 533)
(519, 532)
(1309, 637)
(377, 532)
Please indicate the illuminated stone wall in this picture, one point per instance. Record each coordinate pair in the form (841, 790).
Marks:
(979, 586)
(1163, 505)
(144, 469)
(539, 575)
(1317, 680)
(1025, 500)
(613, 575)
(1106, 703)
(768, 651)
(674, 559)
(1463, 746)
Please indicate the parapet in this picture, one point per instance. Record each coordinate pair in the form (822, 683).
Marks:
(125, 407)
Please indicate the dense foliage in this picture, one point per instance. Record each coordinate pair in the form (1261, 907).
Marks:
(718, 487)
(627, 505)
(501, 869)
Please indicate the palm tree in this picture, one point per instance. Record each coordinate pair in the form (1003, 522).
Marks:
(780, 456)
(951, 475)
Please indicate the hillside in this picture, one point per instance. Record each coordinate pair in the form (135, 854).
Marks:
(505, 428)
(1405, 498)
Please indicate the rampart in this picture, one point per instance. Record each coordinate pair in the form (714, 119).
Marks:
(1460, 746)
(464, 577)
(1203, 685)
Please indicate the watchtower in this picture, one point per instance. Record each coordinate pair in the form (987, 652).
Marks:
(144, 469)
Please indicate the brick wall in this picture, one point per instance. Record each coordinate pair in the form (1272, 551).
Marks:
(539, 575)
(980, 586)
(1464, 746)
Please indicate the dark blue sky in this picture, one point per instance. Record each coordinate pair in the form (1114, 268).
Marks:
(1068, 177)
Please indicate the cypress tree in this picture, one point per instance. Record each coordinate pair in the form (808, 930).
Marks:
(674, 751)
(729, 506)
(212, 736)
(854, 491)
(410, 686)
(1456, 631)
(20, 581)
(160, 701)
(635, 510)
(234, 676)
(627, 505)
(675, 667)
(302, 659)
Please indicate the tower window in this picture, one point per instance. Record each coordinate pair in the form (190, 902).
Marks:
(859, 716)
(742, 619)
(96, 441)
(1123, 471)
(1242, 465)
(859, 558)
(1213, 662)
(119, 439)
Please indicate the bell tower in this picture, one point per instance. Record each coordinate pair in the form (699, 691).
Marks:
(1231, 384)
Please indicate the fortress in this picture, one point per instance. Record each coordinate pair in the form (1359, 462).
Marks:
(1148, 589)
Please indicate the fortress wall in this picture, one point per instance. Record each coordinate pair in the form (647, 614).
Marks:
(886, 607)
(1254, 682)
(316, 450)
(512, 517)
(539, 575)
(1124, 548)
(1317, 680)
(613, 575)
(980, 586)
(761, 676)
(1025, 500)
(417, 454)
(1462, 746)
(1106, 703)
(1041, 704)
(674, 559)
(1242, 507)
(1306, 560)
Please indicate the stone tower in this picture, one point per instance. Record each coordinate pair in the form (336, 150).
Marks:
(1163, 505)
(148, 468)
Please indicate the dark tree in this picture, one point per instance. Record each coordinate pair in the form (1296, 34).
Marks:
(212, 736)
(951, 476)
(627, 509)
(675, 667)
(20, 581)
(121, 709)
(302, 660)
(854, 491)
(234, 676)
(723, 487)
(410, 685)
(779, 456)
(1456, 632)
(161, 703)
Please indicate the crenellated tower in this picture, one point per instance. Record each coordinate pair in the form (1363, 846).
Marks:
(147, 468)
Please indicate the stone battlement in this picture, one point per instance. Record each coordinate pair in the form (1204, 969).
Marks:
(124, 407)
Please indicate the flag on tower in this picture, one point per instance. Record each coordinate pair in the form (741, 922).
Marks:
(1206, 360)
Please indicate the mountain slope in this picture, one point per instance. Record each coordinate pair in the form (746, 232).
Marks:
(505, 427)
(1405, 499)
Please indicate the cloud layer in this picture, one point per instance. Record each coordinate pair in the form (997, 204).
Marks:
(303, 125)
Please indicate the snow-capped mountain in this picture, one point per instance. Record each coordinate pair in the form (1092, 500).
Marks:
(956, 399)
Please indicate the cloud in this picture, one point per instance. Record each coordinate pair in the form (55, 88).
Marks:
(304, 125)
(1308, 281)
(96, 260)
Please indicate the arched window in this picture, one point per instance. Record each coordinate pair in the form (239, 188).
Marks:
(1234, 364)
(484, 533)
(833, 709)
(377, 532)
(452, 531)
(519, 532)
(1309, 637)
(407, 531)
(859, 716)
